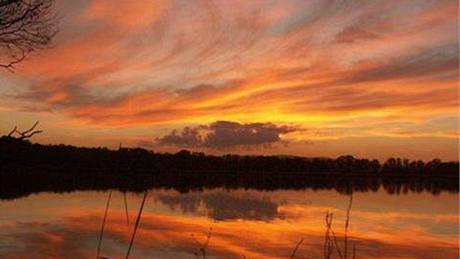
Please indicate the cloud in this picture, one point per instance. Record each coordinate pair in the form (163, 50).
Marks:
(189, 137)
(425, 62)
(227, 134)
(131, 65)
(230, 134)
(124, 14)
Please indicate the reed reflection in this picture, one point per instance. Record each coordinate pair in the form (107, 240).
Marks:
(417, 225)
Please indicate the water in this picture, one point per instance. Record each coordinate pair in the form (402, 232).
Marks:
(245, 224)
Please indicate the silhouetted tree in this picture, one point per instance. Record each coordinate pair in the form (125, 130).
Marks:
(25, 26)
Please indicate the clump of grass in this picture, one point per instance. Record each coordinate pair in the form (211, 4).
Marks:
(202, 247)
(330, 241)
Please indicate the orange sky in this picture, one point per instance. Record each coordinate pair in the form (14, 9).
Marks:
(314, 78)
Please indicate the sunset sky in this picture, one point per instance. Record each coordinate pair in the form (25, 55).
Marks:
(313, 78)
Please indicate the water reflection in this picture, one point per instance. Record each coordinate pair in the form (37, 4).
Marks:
(250, 223)
(24, 184)
(222, 205)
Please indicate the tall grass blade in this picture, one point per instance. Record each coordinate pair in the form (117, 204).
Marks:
(126, 208)
(296, 248)
(103, 226)
(136, 225)
(347, 223)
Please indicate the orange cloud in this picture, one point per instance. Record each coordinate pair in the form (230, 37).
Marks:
(318, 65)
(124, 14)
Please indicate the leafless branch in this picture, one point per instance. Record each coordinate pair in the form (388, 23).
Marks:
(11, 65)
(13, 131)
(25, 134)
(25, 26)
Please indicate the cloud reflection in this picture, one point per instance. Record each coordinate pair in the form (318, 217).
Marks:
(57, 229)
(223, 206)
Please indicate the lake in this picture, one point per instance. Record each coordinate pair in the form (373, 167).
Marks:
(237, 223)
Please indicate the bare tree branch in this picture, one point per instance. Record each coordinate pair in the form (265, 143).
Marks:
(10, 65)
(32, 128)
(25, 26)
(13, 131)
(25, 134)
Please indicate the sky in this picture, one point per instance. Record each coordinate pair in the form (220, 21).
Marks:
(313, 78)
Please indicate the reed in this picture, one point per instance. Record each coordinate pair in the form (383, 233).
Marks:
(203, 248)
(296, 248)
(330, 241)
(126, 208)
(347, 223)
(136, 226)
(99, 244)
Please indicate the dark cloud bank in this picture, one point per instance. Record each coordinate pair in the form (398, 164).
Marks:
(226, 134)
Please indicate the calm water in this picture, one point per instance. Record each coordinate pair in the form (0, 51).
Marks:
(245, 224)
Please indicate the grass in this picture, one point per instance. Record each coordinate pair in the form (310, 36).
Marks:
(99, 244)
(136, 226)
(296, 248)
(202, 247)
(330, 246)
(330, 241)
(126, 209)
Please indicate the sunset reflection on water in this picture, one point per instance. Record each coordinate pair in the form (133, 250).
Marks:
(245, 223)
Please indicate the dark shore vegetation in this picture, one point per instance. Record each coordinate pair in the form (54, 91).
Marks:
(15, 151)
(27, 167)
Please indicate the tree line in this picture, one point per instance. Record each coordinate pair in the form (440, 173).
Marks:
(14, 151)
